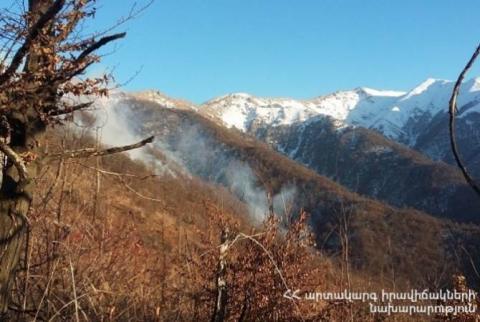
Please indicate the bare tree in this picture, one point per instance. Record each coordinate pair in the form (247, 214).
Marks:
(43, 58)
(453, 111)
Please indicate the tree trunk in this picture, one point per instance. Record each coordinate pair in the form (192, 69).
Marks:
(15, 203)
(221, 303)
(13, 225)
(26, 130)
(14, 207)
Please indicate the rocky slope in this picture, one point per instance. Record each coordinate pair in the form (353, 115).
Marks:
(368, 163)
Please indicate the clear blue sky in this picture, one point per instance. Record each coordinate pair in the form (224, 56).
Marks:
(199, 49)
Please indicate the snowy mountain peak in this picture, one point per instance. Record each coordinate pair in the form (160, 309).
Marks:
(242, 110)
(239, 96)
(375, 92)
(473, 85)
(430, 84)
(384, 110)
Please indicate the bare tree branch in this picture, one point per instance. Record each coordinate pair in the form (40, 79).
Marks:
(121, 176)
(70, 109)
(453, 111)
(118, 174)
(79, 61)
(17, 162)
(98, 44)
(93, 152)
(32, 35)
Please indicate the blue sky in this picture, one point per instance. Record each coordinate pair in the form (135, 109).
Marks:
(199, 49)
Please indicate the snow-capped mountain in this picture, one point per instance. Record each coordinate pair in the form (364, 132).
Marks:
(243, 111)
(417, 118)
(388, 112)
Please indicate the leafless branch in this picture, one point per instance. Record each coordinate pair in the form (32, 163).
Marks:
(71, 109)
(31, 37)
(133, 13)
(94, 152)
(80, 60)
(121, 176)
(98, 44)
(138, 193)
(453, 111)
(17, 162)
(118, 174)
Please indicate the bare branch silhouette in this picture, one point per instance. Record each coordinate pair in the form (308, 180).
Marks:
(453, 111)
(71, 109)
(93, 152)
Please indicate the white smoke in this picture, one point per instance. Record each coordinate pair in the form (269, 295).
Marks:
(242, 182)
(196, 153)
(283, 201)
(114, 130)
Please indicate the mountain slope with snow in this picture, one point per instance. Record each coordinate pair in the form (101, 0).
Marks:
(336, 135)
(417, 118)
(389, 112)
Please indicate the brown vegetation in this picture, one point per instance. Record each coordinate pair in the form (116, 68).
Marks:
(401, 247)
(143, 258)
(44, 55)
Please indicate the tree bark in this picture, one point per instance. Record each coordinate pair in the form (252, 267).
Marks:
(221, 303)
(15, 202)
(27, 129)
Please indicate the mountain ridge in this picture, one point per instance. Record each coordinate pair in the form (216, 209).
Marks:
(383, 110)
(324, 143)
(394, 114)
